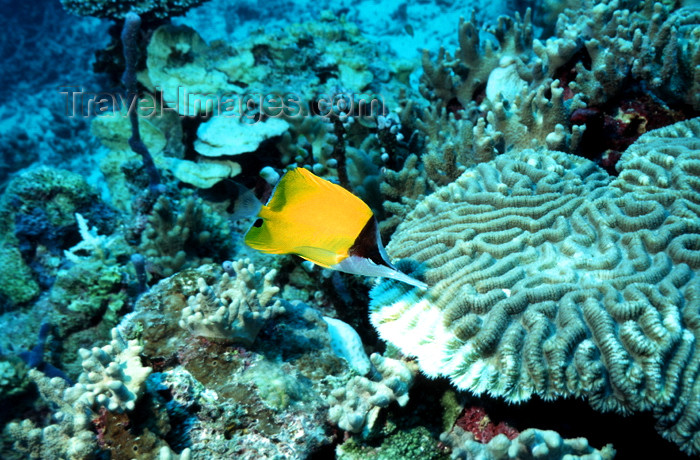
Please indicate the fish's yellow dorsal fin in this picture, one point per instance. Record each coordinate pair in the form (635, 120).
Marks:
(300, 185)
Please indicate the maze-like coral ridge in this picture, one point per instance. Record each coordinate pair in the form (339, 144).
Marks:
(549, 277)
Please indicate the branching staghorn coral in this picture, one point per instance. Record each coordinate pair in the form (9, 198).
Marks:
(356, 407)
(548, 277)
(236, 307)
(648, 41)
(629, 60)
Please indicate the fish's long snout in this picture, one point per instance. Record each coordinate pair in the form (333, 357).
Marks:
(366, 267)
(399, 276)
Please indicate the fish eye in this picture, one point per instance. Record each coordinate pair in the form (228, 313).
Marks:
(258, 223)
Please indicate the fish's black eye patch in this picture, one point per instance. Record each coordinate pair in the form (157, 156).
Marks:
(258, 223)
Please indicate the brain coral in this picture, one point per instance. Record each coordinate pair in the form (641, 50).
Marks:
(549, 277)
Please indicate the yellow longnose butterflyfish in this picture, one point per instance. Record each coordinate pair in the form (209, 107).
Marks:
(325, 224)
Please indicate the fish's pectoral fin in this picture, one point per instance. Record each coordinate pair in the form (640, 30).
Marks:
(319, 256)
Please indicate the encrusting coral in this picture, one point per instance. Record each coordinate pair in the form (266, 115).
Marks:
(548, 277)
(236, 308)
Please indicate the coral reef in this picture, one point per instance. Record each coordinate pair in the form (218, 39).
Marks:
(356, 407)
(610, 72)
(299, 117)
(118, 10)
(529, 445)
(550, 278)
(236, 308)
(567, 284)
(69, 437)
(112, 377)
(228, 400)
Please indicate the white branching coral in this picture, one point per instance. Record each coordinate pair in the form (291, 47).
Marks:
(96, 247)
(236, 307)
(113, 375)
(355, 408)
